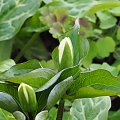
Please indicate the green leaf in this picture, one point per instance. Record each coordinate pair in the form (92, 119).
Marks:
(8, 103)
(36, 78)
(42, 115)
(90, 108)
(114, 115)
(80, 44)
(19, 115)
(58, 91)
(20, 69)
(94, 84)
(27, 98)
(6, 64)
(65, 53)
(9, 89)
(65, 73)
(107, 20)
(13, 14)
(105, 46)
(4, 115)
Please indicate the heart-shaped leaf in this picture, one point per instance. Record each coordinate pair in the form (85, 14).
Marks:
(13, 14)
(90, 108)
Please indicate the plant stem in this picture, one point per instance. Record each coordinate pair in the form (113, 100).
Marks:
(60, 110)
(29, 43)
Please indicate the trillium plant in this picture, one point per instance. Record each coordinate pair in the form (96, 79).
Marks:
(62, 88)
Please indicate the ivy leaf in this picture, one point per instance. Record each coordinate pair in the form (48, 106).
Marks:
(5, 115)
(6, 64)
(58, 91)
(13, 14)
(107, 20)
(8, 103)
(94, 84)
(105, 46)
(90, 108)
(42, 115)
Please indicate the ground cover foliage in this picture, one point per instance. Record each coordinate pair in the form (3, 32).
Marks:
(59, 59)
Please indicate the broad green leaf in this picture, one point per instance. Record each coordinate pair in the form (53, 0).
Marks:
(5, 52)
(58, 91)
(36, 78)
(19, 115)
(9, 89)
(114, 115)
(94, 84)
(13, 14)
(8, 103)
(6, 64)
(107, 20)
(42, 115)
(20, 69)
(85, 7)
(90, 108)
(80, 44)
(113, 70)
(65, 73)
(27, 98)
(4, 115)
(65, 53)
(105, 46)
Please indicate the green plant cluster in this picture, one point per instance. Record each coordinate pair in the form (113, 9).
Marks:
(69, 86)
